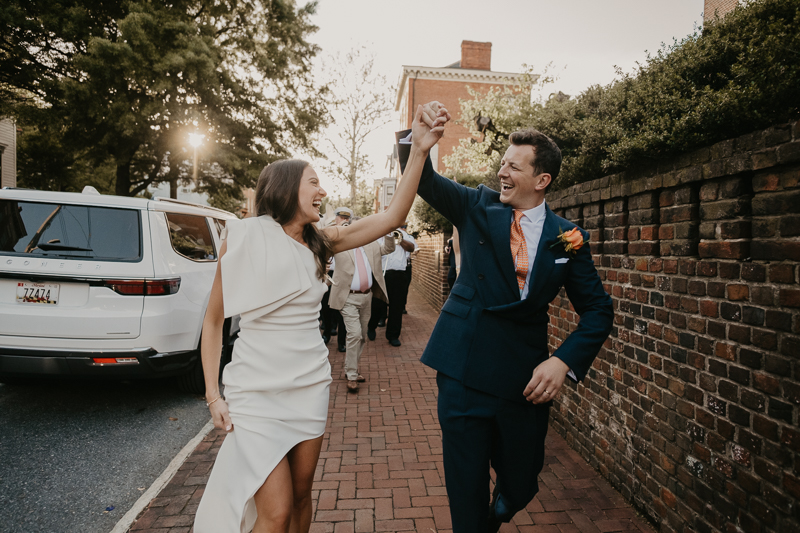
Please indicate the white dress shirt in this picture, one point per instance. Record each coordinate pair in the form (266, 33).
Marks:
(398, 259)
(355, 285)
(532, 223)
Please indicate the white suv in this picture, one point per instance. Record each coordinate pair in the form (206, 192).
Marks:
(104, 286)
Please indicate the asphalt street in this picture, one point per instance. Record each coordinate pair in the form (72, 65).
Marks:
(70, 451)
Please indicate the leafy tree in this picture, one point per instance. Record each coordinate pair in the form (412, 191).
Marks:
(363, 205)
(121, 84)
(361, 104)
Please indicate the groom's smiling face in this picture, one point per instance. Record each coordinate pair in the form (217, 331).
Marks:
(518, 184)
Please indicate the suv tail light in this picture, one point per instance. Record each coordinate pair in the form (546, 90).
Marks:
(144, 287)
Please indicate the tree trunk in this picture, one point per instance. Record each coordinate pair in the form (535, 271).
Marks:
(353, 163)
(173, 188)
(123, 185)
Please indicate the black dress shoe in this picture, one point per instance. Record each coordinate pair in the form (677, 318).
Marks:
(325, 339)
(334, 331)
(342, 348)
(381, 323)
(395, 342)
(371, 334)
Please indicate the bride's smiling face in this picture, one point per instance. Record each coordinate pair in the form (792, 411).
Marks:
(309, 197)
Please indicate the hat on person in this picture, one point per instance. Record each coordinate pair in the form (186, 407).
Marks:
(343, 212)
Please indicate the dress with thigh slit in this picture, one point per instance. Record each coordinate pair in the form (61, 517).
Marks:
(278, 381)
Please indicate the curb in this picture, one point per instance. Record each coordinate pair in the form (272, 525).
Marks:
(144, 500)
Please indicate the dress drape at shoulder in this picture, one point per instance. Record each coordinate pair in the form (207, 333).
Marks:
(260, 253)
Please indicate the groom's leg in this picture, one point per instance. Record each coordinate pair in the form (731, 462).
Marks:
(518, 455)
(466, 418)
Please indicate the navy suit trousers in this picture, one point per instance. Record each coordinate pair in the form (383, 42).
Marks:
(479, 430)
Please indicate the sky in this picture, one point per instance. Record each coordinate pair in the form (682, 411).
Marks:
(583, 39)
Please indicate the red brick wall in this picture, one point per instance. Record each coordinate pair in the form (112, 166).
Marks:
(475, 55)
(429, 271)
(714, 8)
(691, 408)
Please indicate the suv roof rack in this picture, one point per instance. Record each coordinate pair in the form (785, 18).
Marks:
(184, 202)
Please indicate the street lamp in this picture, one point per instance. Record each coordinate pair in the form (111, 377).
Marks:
(195, 139)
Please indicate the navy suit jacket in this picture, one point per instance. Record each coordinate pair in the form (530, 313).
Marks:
(486, 337)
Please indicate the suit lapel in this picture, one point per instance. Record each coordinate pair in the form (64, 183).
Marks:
(499, 218)
(545, 258)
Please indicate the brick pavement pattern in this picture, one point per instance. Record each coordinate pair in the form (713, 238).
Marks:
(381, 463)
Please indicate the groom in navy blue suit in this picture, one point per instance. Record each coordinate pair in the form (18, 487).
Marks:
(495, 376)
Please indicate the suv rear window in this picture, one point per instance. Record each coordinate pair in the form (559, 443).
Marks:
(191, 237)
(70, 231)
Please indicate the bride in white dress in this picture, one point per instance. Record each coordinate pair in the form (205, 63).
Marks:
(275, 407)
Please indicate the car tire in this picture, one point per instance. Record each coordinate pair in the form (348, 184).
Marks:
(193, 381)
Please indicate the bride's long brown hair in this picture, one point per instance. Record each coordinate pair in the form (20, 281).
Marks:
(277, 194)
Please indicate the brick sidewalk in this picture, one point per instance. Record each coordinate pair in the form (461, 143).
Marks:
(381, 462)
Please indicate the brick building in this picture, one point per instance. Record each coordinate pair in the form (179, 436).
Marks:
(419, 85)
(717, 8)
(448, 85)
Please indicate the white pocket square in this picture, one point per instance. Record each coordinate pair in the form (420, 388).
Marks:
(562, 260)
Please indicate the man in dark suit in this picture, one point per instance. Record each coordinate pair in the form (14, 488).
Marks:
(496, 379)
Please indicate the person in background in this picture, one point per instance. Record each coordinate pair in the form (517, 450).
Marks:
(409, 262)
(357, 280)
(332, 321)
(451, 262)
(397, 285)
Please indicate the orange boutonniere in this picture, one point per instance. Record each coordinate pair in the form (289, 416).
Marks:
(572, 240)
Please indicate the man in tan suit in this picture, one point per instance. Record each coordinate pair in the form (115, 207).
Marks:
(356, 278)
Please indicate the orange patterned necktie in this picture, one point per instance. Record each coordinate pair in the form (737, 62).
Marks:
(519, 250)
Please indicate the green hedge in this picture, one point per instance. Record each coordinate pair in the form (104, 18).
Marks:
(740, 74)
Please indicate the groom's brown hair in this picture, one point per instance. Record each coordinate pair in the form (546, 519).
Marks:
(546, 154)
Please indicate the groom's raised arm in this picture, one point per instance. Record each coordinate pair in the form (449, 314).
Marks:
(449, 198)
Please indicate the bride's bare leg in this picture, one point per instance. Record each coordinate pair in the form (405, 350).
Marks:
(302, 464)
(274, 501)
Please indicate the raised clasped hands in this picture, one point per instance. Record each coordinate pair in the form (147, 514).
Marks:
(428, 125)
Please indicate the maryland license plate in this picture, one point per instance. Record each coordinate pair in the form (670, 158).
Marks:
(37, 293)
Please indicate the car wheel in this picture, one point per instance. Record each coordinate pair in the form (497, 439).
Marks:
(193, 381)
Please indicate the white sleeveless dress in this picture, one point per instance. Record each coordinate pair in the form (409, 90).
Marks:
(278, 381)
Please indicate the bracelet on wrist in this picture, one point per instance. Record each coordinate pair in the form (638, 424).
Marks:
(208, 404)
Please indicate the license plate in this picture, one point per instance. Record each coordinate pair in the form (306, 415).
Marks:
(37, 293)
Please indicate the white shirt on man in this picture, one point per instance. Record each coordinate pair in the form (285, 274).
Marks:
(532, 223)
(355, 285)
(398, 259)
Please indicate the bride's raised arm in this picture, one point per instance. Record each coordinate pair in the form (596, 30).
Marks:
(427, 129)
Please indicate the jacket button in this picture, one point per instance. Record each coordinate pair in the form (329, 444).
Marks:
(481, 241)
(480, 276)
